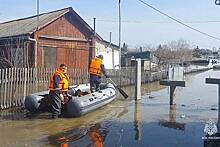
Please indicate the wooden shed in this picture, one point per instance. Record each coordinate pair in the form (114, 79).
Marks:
(47, 40)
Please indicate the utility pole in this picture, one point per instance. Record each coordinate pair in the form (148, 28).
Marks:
(38, 11)
(94, 21)
(119, 44)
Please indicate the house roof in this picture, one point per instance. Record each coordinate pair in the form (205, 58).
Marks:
(115, 47)
(28, 25)
(142, 55)
(108, 44)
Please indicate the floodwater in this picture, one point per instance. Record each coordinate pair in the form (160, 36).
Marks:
(150, 122)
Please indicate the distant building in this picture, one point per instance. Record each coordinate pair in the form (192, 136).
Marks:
(127, 58)
(110, 53)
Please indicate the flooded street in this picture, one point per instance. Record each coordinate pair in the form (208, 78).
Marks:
(151, 122)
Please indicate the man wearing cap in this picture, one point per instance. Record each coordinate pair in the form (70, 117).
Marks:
(96, 69)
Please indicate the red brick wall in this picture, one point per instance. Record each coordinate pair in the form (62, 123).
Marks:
(73, 53)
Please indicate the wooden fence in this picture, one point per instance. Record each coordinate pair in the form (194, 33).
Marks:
(16, 83)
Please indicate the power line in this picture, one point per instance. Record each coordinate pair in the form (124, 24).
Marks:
(138, 21)
(192, 21)
(178, 21)
(115, 20)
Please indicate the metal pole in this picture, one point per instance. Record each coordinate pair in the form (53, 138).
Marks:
(110, 39)
(94, 21)
(38, 11)
(36, 39)
(119, 44)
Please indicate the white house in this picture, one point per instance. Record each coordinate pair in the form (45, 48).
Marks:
(110, 53)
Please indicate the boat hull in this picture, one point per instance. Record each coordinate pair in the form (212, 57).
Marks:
(78, 105)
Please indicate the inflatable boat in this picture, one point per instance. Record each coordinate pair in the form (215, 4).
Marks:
(78, 105)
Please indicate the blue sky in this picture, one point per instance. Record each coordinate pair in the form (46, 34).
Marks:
(140, 24)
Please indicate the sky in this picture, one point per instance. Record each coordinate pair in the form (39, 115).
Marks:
(141, 25)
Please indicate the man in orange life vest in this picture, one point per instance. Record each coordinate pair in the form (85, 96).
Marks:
(58, 89)
(96, 70)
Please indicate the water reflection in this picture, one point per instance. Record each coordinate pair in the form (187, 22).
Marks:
(146, 89)
(94, 136)
(137, 121)
(97, 135)
(171, 123)
(12, 114)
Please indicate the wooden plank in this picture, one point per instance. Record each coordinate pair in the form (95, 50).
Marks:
(30, 76)
(35, 75)
(31, 80)
(17, 87)
(25, 84)
(5, 89)
(44, 75)
(1, 89)
(11, 84)
(8, 88)
(47, 75)
(28, 81)
(212, 81)
(40, 75)
(21, 87)
(14, 87)
(172, 83)
(1, 76)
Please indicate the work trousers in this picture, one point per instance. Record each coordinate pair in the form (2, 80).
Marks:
(95, 82)
(55, 102)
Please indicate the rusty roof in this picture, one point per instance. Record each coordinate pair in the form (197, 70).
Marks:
(27, 26)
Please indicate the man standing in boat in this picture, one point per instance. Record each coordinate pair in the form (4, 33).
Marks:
(58, 89)
(96, 69)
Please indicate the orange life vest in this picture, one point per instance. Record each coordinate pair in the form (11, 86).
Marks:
(95, 67)
(63, 85)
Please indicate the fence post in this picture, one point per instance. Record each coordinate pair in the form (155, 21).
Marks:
(5, 87)
(138, 80)
(25, 82)
(11, 85)
(1, 90)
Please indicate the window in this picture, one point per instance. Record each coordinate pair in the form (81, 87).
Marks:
(50, 57)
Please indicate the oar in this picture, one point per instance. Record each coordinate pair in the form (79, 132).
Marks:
(119, 89)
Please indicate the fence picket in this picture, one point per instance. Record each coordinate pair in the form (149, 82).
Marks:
(16, 83)
(1, 89)
(5, 88)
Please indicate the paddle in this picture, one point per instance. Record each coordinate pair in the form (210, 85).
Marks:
(119, 89)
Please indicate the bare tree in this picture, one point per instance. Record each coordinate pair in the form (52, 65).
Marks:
(180, 50)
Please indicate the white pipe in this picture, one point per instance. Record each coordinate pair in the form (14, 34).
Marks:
(35, 50)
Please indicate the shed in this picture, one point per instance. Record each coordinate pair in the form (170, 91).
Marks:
(47, 40)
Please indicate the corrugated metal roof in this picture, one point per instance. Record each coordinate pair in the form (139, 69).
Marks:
(29, 25)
